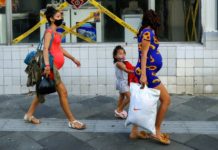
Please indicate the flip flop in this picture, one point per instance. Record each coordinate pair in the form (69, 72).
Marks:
(140, 135)
(31, 119)
(73, 125)
(165, 135)
(164, 139)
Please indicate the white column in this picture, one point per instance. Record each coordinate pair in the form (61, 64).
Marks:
(151, 4)
(9, 21)
(209, 15)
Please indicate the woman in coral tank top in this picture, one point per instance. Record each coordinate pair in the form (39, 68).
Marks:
(54, 18)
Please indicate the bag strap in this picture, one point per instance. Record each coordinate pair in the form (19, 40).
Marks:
(52, 39)
(42, 41)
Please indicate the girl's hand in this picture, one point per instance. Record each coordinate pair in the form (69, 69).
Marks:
(143, 81)
(78, 64)
(47, 71)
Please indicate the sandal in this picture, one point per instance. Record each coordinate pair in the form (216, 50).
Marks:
(164, 139)
(74, 125)
(140, 135)
(122, 115)
(165, 135)
(31, 119)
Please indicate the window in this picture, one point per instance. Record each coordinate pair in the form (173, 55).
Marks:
(130, 11)
(180, 20)
(217, 14)
(2, 22)
(176, 15)
(26, 15)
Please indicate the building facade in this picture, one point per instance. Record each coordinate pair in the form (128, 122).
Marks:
(189, 50)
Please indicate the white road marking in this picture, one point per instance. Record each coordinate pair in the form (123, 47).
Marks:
(108, 126)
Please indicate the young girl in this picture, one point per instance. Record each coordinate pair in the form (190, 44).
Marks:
(121, 81)
(55, 19)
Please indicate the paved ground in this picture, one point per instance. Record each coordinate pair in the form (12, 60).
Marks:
(191, 121)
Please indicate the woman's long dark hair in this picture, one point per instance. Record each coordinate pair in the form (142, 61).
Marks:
(49, 13)
(152, 19)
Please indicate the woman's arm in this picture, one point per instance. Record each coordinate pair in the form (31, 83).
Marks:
(122, 66)
(66, 54)
(69, 56)
(46, 48)
(45, 53)
(145, 48)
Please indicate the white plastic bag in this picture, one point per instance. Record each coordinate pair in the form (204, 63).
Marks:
(143, 107)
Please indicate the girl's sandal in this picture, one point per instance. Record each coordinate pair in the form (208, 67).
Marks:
(164, 139)
(140, 135)
(31, 119)
(74, 125)
(122, 115)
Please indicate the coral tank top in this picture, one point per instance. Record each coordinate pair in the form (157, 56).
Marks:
(55, 49)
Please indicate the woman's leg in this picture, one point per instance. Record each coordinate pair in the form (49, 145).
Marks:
(33, 106)
(134, 130)
(165, 102)
(63, 96)
(31, 111)
(136, 134)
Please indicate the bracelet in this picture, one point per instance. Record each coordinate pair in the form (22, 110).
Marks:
(47, 65)
(47, 68)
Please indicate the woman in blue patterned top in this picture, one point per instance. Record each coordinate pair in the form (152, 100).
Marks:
(149, 63)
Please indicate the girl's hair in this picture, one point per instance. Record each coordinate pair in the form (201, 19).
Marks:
(116, 49)
(49, 13)
(152, 19)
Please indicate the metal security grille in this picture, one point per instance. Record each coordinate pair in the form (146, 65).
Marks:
(191, 17)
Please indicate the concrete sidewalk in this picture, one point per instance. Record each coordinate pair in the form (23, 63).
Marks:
(192, 122)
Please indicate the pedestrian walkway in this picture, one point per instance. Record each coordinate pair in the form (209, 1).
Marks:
(192, 122)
